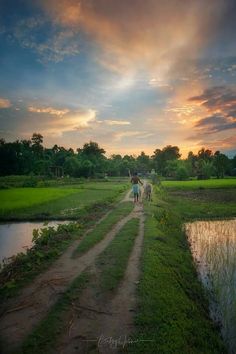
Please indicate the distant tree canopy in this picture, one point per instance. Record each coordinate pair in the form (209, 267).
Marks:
(25, 157)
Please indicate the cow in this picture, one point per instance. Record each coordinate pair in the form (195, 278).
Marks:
(148, 191)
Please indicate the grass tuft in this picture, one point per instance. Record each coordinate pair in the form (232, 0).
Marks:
(103, 227)
(113, 261)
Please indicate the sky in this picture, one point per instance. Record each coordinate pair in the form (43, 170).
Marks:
(131, 75)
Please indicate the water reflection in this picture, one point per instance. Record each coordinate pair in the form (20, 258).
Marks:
(17, 237)
(213, 245)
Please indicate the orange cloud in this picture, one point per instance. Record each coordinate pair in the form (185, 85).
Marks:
(115, 122)
(57, 122)
(5, 103)
(150, 35)
(220, 104)
(48, 110)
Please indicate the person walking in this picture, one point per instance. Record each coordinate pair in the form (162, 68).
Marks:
(135, 186)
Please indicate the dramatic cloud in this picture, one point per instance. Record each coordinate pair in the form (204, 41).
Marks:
(5, 103)
(219, 98)
(56, 122)
(134, 35)
(220, 102)
(131, 64)
(225, 144)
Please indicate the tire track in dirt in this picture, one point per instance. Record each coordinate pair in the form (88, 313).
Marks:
(102, 323)
(24, 312)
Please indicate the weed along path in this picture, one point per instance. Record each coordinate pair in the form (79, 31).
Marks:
(22, 314)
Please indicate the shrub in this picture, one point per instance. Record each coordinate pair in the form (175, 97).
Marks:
(182, 173)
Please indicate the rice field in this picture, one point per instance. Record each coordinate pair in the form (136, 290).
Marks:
(61, 202)
(201, 184)
(213, 246)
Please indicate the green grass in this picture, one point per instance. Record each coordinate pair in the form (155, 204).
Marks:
(196, 184)
(17, 198)
(207, 204)
(104, 227)
(173, 314)
(55, 203)
(113, 260)
(43, 337)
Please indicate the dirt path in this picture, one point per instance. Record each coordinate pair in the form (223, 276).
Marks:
(100, 324)
(22, 313)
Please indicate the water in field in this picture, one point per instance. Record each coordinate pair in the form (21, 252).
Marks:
(213, 246)
(17, 237)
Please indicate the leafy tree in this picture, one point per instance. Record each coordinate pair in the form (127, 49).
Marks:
(221, 164)
(30, 156)
(37, 144)
(178, 169)
(182, 173)
(72, 166)
(161, 157)
(143, 162)
(92, 158)
(205, 169)
(192, 163)
(205, 154)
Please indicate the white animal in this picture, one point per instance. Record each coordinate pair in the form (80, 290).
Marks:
(148, 191)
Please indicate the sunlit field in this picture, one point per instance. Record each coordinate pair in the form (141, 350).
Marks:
(63, 202)
(196, 184)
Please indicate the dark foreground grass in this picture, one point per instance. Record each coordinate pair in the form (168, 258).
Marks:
(173, 314)
(103, 227)
(113, 260)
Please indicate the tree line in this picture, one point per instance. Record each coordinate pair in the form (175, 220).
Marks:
(25, 157)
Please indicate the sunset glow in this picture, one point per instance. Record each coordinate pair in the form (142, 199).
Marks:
(131, 75)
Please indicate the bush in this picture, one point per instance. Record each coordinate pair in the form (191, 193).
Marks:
(32, 182)
(4, 186)
(41, 184)
(182, 174)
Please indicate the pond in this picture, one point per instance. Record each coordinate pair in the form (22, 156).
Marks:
(17, 237)
(213, 246)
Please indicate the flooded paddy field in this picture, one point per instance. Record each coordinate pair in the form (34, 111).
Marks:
(213, 246)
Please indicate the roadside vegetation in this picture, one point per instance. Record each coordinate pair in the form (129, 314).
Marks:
(49, 244)
(173, 314)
